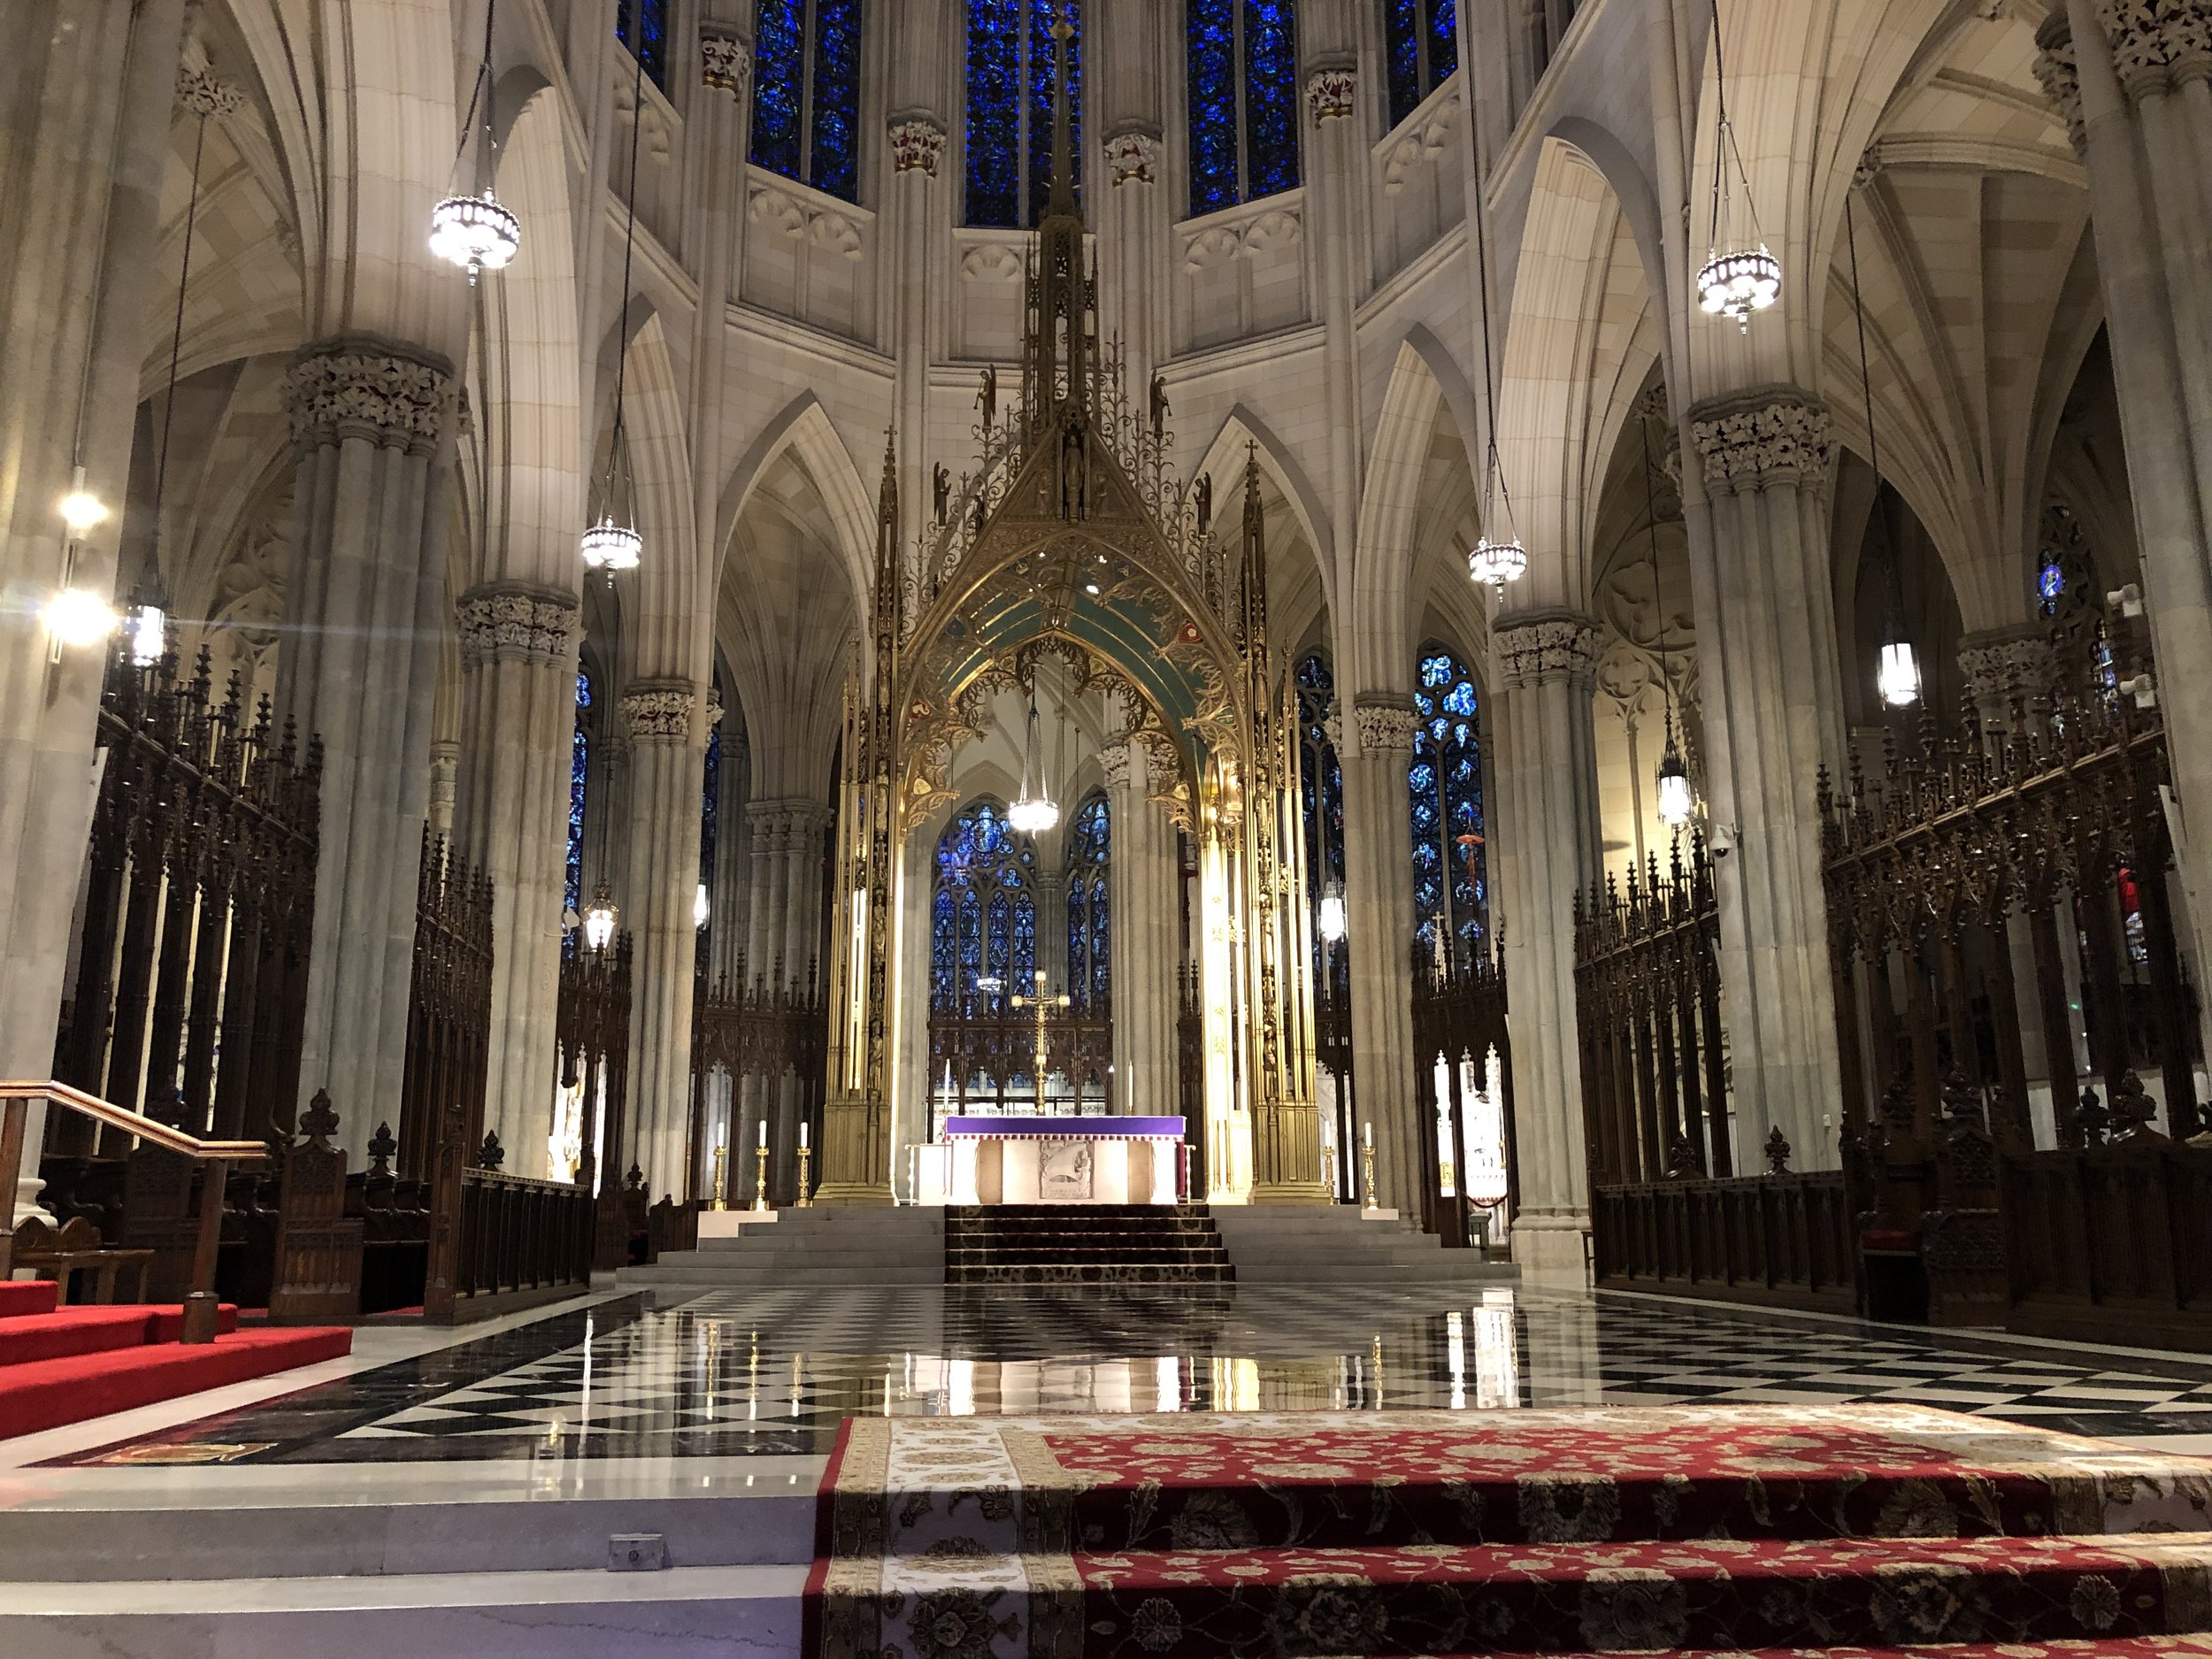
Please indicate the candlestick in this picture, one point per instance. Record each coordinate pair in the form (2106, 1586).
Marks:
(1367, 1135)
(1328, 1170)
(721, 1175)
(760, 1175)
(806, 1194)
(1367, 1160)
(764, 1132)
(802, 1126)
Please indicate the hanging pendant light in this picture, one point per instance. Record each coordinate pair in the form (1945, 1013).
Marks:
(1330, 920)
(472, 230)
(1495, 559)
(613, 544)
(1031, 814)
(1676, 800)
(1897, 676)
(1897, 670)
(599, 917)
(1740, 278)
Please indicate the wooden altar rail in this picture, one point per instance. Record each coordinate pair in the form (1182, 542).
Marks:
(215, 1158)
(517, 1241)
(190, 997)
(1779, 1240)
(1654, 1076)
(2110, 1243)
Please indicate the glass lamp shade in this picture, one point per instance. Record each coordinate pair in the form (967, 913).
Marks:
(149, 630)
(1675, 802)
(599, 919)
(702, 909)
(612, 547)
(1033, 814)
(1898, 675)
(1330, 920)
(1494, 564)
(1740, 285)
(81, 510)
(474, 233)
(77, 616)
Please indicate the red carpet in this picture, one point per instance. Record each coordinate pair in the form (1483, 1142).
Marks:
(1843, 1531)
(66, 1364)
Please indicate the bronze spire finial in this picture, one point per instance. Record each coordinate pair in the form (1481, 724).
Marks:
(1062, 202)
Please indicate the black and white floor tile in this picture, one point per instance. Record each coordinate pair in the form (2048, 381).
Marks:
(737, 1374)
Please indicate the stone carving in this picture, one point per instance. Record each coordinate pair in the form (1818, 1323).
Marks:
(991, 262)
(726, 64)
(1384, 729)
(917, 142)
(516, 625)
(714, 707)
(1330, 90)
(363, 389)
(659, 709)
(2002, 663)
(779, 210)
(1263, 232)
(1764, 439)
(2056, 67)
(202, 94)
(2158, 45)
(1425, 139)
(1134, 154)
(1114, 763)
(1535, 649)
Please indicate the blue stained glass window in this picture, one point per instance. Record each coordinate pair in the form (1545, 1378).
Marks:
(642, 27)
(1025, 941)
(806, 93)
(982, 913)
(1009, 130)
(1450, 868)
(943, 949)
(579, 767)
(1090, 849)
(1242, 87)
(1422, 48)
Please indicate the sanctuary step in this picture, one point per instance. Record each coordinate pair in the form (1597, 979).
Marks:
(1332, 1244)
(60, 1365)
(814, 1247)
(1084, 1244)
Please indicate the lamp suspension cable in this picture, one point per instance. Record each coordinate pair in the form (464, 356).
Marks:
(1897, 671)
(614, 544)
(1495, 560)
(473, 231)
(1676, 803)
(1740, 278)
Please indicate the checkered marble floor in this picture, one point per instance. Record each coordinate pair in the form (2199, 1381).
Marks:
(747, 1373)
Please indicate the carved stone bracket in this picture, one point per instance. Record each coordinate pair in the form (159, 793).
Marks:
(368, 388)
(199, 92)
(660, 709)
(517, 625)
(917, 143)
(726, 64)
(1761, 439)
(2059, 71)
(1134, 154)
(1386, 729)
(1532, 651)
(1332, 90)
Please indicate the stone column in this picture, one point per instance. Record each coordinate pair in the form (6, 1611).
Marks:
(1335, 162)
(917, 149)
(662, 876)
(1548, 849)
(1378, 935)
(2135, 82)
(92, 86)
(1133, 212)
(365, 610)
(1772, 696)
(1144, 888)
(511, 804)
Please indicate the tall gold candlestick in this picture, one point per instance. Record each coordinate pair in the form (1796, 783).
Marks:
(760, 1180)
(1367, 1164)
(806, 1190)
(721, 1175)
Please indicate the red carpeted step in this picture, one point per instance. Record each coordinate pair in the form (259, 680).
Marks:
(1729, 1594)
(20, 1296)
(46, 1393)
(73, 1331)
(169, 1322)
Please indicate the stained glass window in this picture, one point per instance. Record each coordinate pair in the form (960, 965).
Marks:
(1320, 782)
(1423, 49)
(642, 27)
(579, 766)
(1242, 80)
(1090, 949)
(806, 93)
(983, 915)
(1451, 872)
(1009, 131)
(710, 806)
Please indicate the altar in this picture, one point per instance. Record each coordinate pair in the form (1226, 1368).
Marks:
(1052, 1161)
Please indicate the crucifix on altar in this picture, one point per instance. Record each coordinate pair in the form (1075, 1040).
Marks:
(1043, 1004)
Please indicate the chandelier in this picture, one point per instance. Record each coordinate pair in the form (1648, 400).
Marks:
(612, 546)
(599, 917)
(472, 230)
(1331, 921)
(1494, 560)
(613, 543)
(1676, 800)
(1031, 814)
(1494, 564)
(1740, 278)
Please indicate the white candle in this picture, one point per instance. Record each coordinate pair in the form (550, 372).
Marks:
(1368, 1135)
(764, 1132)
(802, 1135)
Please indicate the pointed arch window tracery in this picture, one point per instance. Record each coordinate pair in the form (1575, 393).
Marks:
(642, 27)
(1421, 42)
(983, 915)
(1090, 939)
(1451, 890)
(1242, 85)
(1008, 134)
(806, 93)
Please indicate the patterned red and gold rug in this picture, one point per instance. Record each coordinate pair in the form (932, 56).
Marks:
(1849, 1532)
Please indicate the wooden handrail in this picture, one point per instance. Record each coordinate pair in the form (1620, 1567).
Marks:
(200, 1305)
(162, 1134)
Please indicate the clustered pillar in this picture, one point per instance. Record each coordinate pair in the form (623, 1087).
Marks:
(662, 836)
(1378, 925)
(1144, 894)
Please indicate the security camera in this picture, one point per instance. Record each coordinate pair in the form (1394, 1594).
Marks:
(1723, 842)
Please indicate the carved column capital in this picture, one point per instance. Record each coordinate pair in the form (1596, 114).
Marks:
(364, 387)
(659, 709)
(201, 92)
(1757, 440)
(1386, 725)
(1117, 764)
(2158, 45)
(1133, 155)
(725, 62)
(517, 624)
(1332, 90)
(1536, 648)
(2059, 71)
(917, 144)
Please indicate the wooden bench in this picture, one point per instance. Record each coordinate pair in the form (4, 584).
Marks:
(61, 1253)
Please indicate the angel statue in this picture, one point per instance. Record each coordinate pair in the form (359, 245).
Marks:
(1159, 406)
(941, 489)
(986, 400)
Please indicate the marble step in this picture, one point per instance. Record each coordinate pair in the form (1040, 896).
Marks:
(681, 1613)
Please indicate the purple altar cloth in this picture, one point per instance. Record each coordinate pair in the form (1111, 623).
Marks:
(1066, 1128)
